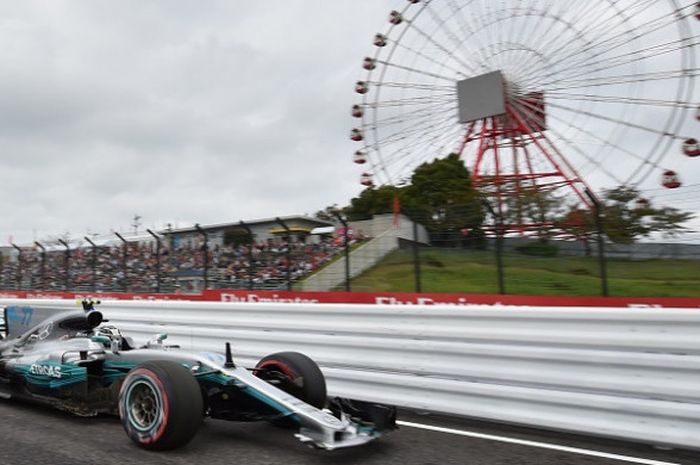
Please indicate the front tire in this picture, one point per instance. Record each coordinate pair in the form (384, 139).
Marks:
(160, 405)
(297, 375)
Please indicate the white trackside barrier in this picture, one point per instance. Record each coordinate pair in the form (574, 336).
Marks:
(624, 373)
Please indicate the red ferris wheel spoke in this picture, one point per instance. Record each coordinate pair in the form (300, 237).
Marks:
(527, 110)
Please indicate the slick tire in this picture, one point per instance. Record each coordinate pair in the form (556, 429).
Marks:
(160, 405)
(296, 374)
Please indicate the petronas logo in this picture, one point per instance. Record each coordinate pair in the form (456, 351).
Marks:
(45, 370)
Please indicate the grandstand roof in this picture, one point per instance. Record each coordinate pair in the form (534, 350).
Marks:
(314, 222)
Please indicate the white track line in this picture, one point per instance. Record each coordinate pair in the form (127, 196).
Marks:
(541, 445)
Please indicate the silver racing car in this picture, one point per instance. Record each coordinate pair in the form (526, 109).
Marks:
(77, 362)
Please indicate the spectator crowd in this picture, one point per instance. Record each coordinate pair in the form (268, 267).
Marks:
(133, 266)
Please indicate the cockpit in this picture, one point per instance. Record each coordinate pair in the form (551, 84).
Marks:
(62, 326)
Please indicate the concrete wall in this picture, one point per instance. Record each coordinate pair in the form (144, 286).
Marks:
(385, 239)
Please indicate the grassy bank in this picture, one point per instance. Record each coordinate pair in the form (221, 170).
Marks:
(455, 270)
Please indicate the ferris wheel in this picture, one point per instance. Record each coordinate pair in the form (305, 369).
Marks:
(546, 95)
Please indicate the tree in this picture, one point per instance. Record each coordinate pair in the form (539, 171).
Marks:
(373, 201)
(237, 236)
(441, 196)
(328, 213)
(533, 206)
(627, 217)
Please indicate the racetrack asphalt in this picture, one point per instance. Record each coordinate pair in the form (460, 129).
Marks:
(32, 434)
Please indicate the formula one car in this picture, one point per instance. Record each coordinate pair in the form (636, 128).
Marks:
(76, 362)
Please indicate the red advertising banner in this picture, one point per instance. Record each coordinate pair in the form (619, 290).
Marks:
(387, 298)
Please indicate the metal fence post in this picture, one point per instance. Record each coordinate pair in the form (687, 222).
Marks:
(251, 263)
(19, 266)
(498, 223)
(157, 238)
(66, 265)
(42, 269)
(125, 284)
(416, 257)
(346, 245)
(499, 255)
(289, 249)
(601, 242)
(93, 264)
(205, 252)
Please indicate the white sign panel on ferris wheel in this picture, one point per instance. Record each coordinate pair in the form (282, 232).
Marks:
(481, 97)
(485, 96)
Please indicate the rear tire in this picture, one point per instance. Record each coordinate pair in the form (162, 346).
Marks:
(297, 375)
(160, 405)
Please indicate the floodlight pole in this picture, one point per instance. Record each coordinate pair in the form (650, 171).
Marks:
(346, 245)
(289, 248)
(66, 264)
(601, 242)
(157, 238)
(43, 265)
(205, 252)
(251, 263)
(125, 285)
(19, 266)
(498, 222)
(93, 264)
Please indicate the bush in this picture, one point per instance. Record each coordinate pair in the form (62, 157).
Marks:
(432, 261)
(538, 249)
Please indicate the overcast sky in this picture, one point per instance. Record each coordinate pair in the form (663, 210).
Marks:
(179, 111)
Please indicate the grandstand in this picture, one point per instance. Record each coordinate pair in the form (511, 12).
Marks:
(258, 254)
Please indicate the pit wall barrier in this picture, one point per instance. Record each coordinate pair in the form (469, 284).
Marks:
(628, 373)
(386, 298)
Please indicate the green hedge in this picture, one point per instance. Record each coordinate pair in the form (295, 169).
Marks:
(538, 249)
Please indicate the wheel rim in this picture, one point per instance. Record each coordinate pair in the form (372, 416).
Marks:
(143, 405)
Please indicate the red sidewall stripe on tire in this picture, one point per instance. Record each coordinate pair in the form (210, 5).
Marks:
(152, 378)
(282, 367)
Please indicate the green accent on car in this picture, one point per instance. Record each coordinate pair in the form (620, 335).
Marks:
(112, 371)
(251, 391)
(215, 377)
(101, 340)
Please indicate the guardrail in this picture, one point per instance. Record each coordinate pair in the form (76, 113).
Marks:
(624, 373)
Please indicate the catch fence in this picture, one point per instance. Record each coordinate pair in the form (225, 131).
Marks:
(387, 253)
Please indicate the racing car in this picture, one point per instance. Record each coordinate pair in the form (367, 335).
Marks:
(76, 361)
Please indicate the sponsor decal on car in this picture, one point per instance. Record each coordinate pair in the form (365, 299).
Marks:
(45, 370)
